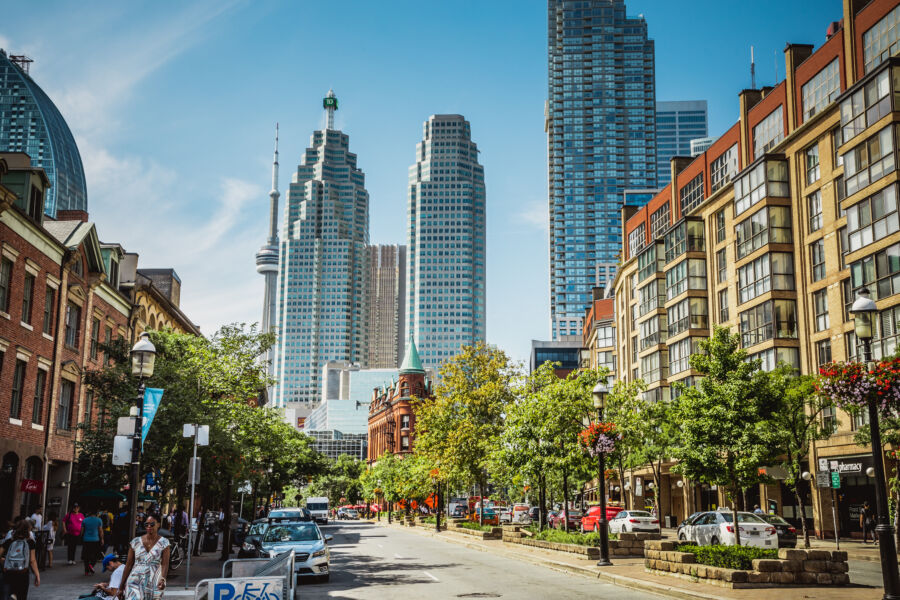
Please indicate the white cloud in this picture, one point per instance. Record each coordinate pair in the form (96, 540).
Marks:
(535, 214)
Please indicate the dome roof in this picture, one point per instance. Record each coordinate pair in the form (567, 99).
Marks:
(36, 127)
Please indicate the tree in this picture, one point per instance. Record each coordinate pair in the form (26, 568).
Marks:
(339, 481)
(461, 426)
(726, 432)
(622, 398)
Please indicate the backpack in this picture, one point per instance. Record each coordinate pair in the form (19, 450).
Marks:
(17, 556)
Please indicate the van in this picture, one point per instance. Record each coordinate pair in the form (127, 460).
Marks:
(318, 507)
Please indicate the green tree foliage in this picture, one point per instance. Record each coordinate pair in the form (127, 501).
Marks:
(340, 481)
(725, 420)
(624, 395)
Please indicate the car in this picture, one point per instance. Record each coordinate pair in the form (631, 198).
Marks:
(787, 533)
(590, 521)
(458, 512)
(630, 521)
(572, 516)
(311, 553)
(520, 513)
(351, 514)
(291, 514)
(717, 527)
(534, 514)
(685, 530)
(250, 545)
(491, 517)
(506, 515)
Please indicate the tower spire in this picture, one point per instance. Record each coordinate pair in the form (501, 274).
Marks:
(330, 104)
(274, 195)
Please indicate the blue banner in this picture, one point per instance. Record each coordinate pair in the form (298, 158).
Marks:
(152, 398)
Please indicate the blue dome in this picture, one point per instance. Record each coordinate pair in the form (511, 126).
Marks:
(31, 123)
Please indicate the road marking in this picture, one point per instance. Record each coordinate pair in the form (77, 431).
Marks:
(430, 575)
(380, 546)
(397, 556)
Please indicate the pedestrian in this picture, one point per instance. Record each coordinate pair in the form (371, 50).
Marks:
(757, 510)
(109, 591)
(92, 539)
(18, 556)
(867, 522)
(51, 526)
(107, 519)
(121, 531)
(37, 519)
(147, 564)
(72, 530)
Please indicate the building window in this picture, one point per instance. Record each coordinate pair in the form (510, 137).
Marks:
(653, 331)
(771, 319)
(723, 306)
(18, 388)
(818, 92)
(40, 383)
(73, 323)
(77, 267)
(723, 168)
(685, 237)
(66, 397)
(637, 239)
(27, 297)
(687, 275)
(606, 336)
(6, 266)
(768, 178)
(771, 225)
(873, 219)
(605, 359)
(692, 194)
(879, 272)
(95, 338)
(866, 106)
(651, 297)
(836, 159)
(649, 262)
(720, 226)
(812, 164)
(404, 421)
(680, 354)
(49, 298)
(814, 206)
(113, 273)
(88, 407)
(885, 335)
(829, 414)
(820, 309)
(772, 357)
(654, 366)
(659, 221)
(721, 266)
(769, 132)
(689, 313)
(404, 442)
(772, 271)
(823, 352)
(817, 258)
(869, 161)
(107, 340)
(880, 40)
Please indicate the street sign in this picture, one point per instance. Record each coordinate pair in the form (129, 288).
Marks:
(125, 426)
(202, 434)
(194, 471)
(823, 479)
(823, 464)
(835, 480)
(243, 587)
(121, 450)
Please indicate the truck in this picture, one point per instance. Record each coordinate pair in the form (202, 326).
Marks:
(318, 507)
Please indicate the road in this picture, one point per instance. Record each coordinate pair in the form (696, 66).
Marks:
(375, 562)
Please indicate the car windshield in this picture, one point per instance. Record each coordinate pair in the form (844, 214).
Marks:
(257, 529)
(351, 512)
(639, 513)
(280, 514)
(299, 532)
(775, 520)
(317, 505)
(743, 518)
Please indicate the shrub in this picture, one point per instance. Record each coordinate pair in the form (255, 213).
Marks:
(429, 520)
(475, 526)
(728, 557)
(573, 537)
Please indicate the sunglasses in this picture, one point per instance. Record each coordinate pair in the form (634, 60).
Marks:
(150, 524)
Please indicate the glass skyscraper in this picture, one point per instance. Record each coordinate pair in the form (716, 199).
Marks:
(677, 123)
(322, 273)
(31, 123)
(446, 243)
(600, 121)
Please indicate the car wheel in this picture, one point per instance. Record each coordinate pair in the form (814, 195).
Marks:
(681, 537)
(714, 541)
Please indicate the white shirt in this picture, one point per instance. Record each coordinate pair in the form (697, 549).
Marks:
(38, 521)
(115, 581)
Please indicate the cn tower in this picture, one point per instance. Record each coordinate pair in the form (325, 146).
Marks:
(267, 262)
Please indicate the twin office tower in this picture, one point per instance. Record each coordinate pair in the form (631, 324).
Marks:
(336, 298)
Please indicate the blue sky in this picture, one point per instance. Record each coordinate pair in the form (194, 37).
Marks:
(173, 105)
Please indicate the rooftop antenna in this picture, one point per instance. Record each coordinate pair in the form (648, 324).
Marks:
(21, 61)
(330, 104)
(752, 70)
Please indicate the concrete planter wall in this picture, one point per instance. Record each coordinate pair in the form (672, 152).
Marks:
(493, 534)
(628, 545)
(792, 567)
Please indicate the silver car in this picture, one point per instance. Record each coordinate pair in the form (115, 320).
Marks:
(311, 554)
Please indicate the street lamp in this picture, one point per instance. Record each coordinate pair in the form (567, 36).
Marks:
(143, 357)
(437, 500)
(863, 311)
(598, 395)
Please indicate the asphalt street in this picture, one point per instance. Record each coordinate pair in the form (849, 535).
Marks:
(373, 562)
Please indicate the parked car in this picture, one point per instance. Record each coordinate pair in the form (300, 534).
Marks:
(685, 529)
(306, 540)
(491, 517)
(717, 527)
(572, 516)
(534, 514)
(628, 521)
(591, 519)
(351, 514)
(458, 512)
(520, 513)
(506, 515)
(250, 545)
(787, 533)
(291, 514)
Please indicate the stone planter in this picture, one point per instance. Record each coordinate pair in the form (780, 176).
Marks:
(494, 534)
(629, 545)
(792, 567)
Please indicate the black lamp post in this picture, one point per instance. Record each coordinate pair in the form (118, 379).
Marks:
(599, 396)
(863, 311)
(143, 355)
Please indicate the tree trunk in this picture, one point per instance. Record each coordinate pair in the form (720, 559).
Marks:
(623, 495)
(542, 503)
(656, 496)
(226, 533)
(799, 498)
(737, 529)
(483, 503)
(896, 519)
(566, 500)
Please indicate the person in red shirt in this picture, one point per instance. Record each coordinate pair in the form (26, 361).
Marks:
(72, 530)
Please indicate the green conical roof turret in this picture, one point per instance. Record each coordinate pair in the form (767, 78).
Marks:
(411, 362)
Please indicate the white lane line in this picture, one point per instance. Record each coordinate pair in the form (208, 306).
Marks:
(380, 546)
(430, 575)
(397, 556)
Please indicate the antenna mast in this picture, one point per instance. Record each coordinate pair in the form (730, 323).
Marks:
(752, 70)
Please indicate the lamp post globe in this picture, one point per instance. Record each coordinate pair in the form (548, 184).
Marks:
(863, 311)
(143, 357)
(806, 476)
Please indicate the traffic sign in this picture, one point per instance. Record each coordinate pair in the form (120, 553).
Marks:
(835, 480)
(823, 479)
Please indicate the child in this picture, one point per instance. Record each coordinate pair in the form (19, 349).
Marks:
(50, 527)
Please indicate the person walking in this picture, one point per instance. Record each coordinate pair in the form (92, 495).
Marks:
(867, 522)
(120, 531)
(147, 564)
(72, 530)
(92, 538)
(37, 519)
(18, 556)
(51, 527)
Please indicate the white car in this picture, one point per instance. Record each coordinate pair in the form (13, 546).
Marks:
(506, 515)
(628, 521)
(718, 528)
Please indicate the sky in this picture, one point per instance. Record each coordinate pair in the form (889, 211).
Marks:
(173, 105)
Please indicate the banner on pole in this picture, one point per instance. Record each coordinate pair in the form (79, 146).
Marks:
(152, 398)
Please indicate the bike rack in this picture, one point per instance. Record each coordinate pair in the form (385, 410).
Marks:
(279, 566)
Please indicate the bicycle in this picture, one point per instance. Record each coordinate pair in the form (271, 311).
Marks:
(178, 551)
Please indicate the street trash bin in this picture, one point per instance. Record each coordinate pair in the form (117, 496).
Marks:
(670, 521)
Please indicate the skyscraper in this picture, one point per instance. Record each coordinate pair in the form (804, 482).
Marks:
(386, 306)
(446, 244)
(322, 274)
(600, 122)
(677, 123)
(31, 123)
(267, 260)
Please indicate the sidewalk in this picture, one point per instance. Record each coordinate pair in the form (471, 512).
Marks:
(630, 573)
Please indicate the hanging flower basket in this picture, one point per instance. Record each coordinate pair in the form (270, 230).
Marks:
(853, 384)
(599, 438)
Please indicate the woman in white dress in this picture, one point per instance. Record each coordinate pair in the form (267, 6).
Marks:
(147, 564)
